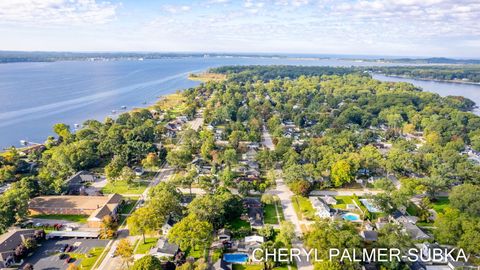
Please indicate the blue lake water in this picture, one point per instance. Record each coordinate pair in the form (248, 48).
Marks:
(35, 96)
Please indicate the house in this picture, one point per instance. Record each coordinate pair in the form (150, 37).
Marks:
(96, 207)
(329, 200)
(77, 182)
(220, 264)
(254, 211)
(369, 236)
(9, 241)
(167, 226)
(224, 235)
(321, 209)
(408, 223)
(164, 249)
(250, 243)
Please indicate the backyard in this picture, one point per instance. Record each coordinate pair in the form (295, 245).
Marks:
(303, 207)
(121, 187)
(143, 248)
(270, 214)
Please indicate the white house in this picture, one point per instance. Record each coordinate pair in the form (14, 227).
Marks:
(321, 208)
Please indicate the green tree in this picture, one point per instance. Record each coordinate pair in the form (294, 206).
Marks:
(141, 221)
(466, 198)
(190, 232)
(127, 175)
(108, 227)
(151, 161)
(148, 262)
(113, 170)
(341, 173)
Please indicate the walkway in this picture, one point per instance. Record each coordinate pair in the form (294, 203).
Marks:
(285, 195)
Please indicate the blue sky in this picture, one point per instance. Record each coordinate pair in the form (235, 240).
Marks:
(365, 27)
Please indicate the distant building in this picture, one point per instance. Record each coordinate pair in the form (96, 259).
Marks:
(9, 241)
(96, 207)
(76, 182)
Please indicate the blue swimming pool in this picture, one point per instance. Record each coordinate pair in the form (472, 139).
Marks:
(351, 217)
(370, 206)
(235, 257)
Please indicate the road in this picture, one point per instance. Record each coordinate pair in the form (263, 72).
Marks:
(113, 263)
(283, 192)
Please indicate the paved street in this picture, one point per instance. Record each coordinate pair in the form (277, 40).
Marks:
(283, 192)
(112, 263)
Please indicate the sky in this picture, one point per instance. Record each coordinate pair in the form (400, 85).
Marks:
(419, 28)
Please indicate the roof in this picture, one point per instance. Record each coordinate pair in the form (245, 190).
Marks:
(224, 231)
(254, 238)
(89, 234)
(80, 177)
(255, 216)
(222, 265)
(11, 239)
(369, 235)
(75, 202)
(163, 246)
(415, 232)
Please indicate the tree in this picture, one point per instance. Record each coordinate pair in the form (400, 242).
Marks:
(466, 198)
(125, 251)
(127, 175)
(179, 157)
(300, 187)
(287, 232)
(147, 262)
(72, 266)
(341, 173)
(244, 188)
(267, 231)
(234, 138)
(393, 236)
(151, 160)
(141, 221)
(268, 198)
(63, 131)
(449, 227)
(433, 185)
(230, 157)
(108, 227)
(191, 232)
(113, 170)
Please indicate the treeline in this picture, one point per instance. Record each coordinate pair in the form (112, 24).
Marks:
(266, 73)
(444, 73)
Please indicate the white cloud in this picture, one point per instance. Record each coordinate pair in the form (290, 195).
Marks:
(176, 8)
(56, 11)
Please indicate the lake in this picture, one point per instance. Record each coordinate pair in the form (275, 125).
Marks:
(35, 96)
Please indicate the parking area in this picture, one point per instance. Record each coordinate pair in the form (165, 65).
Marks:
(47, 256)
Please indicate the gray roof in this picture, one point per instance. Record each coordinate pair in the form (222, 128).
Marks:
(369, 235)
(11, 239)
(163, 246)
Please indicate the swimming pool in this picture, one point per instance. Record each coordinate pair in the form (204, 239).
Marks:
(371, 208)
(351, 217)
(235, 257)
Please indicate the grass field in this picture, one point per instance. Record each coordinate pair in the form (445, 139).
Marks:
(270, 215)
(303, 207)
(238, 224)
(342, 202)
(247, 266)
(87, 261)
(127, 207)
(121, 187)
(143, 248)
(73, 218)
(440, 204)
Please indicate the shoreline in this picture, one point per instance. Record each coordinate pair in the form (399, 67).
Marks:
(427, 80)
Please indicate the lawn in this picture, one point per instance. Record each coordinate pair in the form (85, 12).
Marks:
(247, 266)
(73, 218)
(342, 202)
(270, 215)
(412, 209)
(128, 206)
(143, 248)
(238, 224)
(303, 207)
(121, 187)
(196, 253)
(440, 204)
(87, 260)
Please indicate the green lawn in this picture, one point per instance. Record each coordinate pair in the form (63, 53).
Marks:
(247, 266)
(128, 206)
(73, 218)
(87, 260)
(342, 202)
(238, 224)
(143, 248)
(303, 207)
(412, 209)
(122, 187)
(197, 253)
(440, 204)
(270, 215)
